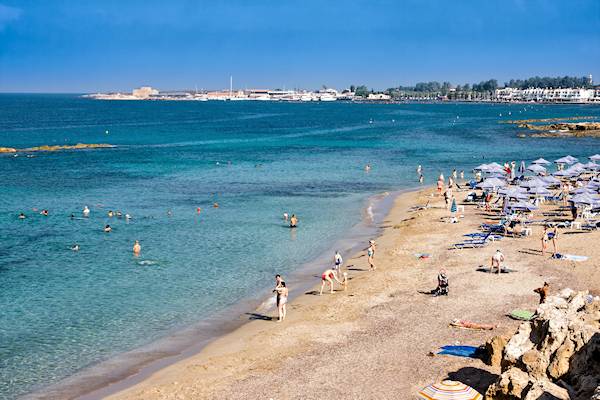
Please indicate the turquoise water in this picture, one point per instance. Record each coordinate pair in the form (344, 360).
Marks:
(62, 311)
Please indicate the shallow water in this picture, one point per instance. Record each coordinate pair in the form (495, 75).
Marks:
(63, 310)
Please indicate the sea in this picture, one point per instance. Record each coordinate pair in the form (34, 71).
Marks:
(65, 313)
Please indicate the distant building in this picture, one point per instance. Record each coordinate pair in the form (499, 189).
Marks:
(560, 95)
(144, 92)
(378, 96)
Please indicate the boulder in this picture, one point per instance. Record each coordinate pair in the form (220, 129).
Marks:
(556, 355)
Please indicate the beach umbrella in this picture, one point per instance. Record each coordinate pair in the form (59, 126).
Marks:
(549, 180)
(522, 205)
(449, 390)
(515, 193)
(495, 170)
(563, 172)
(584, 198)
(495, 165)
(482, 167)
(491, 183)
(595, 157)
(591, 166)
(584, 189)
(497, 175)
(538, 169)
(453, 208)
(541, 161)
(536, 181)
(566, 160)
(539, 191)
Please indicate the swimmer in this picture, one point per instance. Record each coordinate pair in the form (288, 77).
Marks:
(119, 214)
(327, 277)
(86, 211)
(286, 216)
(293, 221)
(107, 228)
(127, 216)
(137, 249)
(44, 213)
(367, 168)
(419, 169)
(169, 213)
(337, 261)
(198, 210)
(22, 216)
(75, 247)
(72, 216)
(216, 205)
(110, 214)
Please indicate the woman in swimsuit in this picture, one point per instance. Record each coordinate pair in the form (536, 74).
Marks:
(371, 254)
(328, 276)
(282, 296)
(293, 221)
(555, 240)
(544, 240)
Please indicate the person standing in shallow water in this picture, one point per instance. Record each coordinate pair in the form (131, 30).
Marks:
(137, 248)
(293, 221)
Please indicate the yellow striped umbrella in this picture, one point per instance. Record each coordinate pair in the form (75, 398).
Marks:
(449, 390)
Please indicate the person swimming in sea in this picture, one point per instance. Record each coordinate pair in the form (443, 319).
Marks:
(22, 216)
(86, 211)
(110, 214)
(107, 228)
(137, 248)
(44, 213)
(286, 216)
(75, 247)
(293, 221)
(119, 214)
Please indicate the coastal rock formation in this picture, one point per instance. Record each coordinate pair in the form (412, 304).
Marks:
(494, 349)
(78, 146)
(556, 355)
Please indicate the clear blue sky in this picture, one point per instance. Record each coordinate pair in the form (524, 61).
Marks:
(103, 45)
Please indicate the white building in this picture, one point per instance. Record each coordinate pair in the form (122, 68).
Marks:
(378, 96)
(560, 95)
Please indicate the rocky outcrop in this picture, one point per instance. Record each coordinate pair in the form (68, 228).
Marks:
(78, 146)
(556, 355)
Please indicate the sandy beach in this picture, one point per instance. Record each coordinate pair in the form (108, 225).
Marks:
(375, 340)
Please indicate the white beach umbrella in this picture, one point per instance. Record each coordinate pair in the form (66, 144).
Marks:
(595, 157)
(538, 169)
(584, 198)
(566, 160)
(591, 166)
(564, 173)
(491, 183)
(536, 181)
(495, 165)
(539, 191)
(584, 189)
(541, 161)
(522, 205)
(482, 167)
(550, 180)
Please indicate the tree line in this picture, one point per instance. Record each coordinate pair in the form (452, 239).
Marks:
(479, 90)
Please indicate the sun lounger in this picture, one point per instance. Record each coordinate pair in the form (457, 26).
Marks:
(570, 257)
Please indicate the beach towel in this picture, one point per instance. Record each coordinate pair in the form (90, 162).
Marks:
(460, 351)
(521, 315)
(570, 257)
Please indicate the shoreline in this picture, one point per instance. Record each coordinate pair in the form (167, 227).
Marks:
(380, 328)
(129, 368)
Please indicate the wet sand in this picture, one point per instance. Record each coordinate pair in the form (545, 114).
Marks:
(373, 340)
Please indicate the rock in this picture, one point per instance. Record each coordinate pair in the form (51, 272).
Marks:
(494, 348)
(7, 150)
(554, 356)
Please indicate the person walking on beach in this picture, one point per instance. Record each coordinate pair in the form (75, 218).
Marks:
(371, 254)
(282, 296)
(137, 248)
(497, 260)
(327, 277)
(554, 239)
(337, 261)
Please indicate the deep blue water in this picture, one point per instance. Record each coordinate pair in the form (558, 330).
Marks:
(62, 310)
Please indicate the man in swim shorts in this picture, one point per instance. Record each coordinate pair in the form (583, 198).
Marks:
(328, 276)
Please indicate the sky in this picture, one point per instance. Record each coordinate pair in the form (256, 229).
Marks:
(85, 46)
